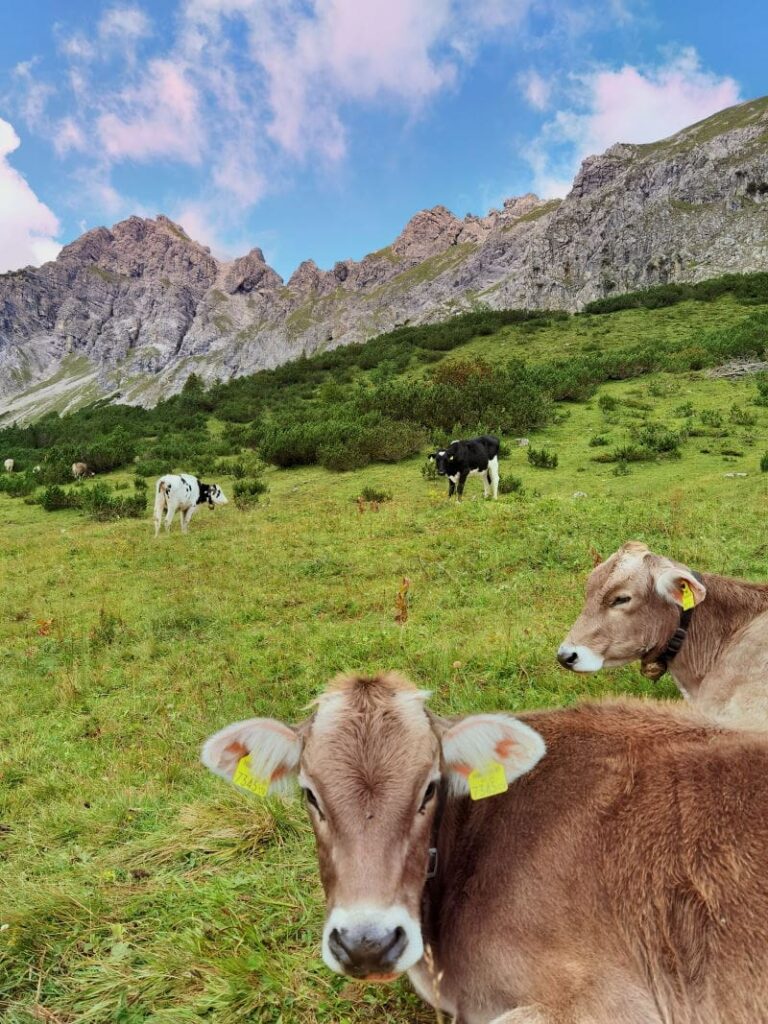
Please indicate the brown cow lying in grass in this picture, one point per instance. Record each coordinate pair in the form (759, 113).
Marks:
(620, 879)
(635, 603)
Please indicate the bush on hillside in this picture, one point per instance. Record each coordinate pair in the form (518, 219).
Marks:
(55, 498)
(542, 458)
(764, 463)
(98, 503)
(509, 484)
(741, 416)
(370, 493)
(18, 485)
(658, 439)
(248, 492)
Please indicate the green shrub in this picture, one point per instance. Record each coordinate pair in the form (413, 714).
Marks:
(608, 403)
(741, 416)
(542, 458)
(370, 493)
(761, 380)
(598, 441)
(711, 418)
(55, 498)
(152, 467)
(140, 485)
(509, 484)
(656, 438)
(248, 492)
(764, 463)
(685, 410)
(98, 503)
(18, 485)
(429, 469)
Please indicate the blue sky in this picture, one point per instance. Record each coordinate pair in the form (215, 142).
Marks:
(316, 128)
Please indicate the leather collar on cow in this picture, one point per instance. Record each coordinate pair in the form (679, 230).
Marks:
(654, 668)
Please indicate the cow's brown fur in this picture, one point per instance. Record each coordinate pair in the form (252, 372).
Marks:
(622, 881)
(723, 663)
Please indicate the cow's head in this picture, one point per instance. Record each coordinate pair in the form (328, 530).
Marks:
(445, 461)
(632, 608)
(213, 494)
(373, 764)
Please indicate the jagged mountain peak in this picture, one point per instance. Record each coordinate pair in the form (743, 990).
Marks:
(140, 306)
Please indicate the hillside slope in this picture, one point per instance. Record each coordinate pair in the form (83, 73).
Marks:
(138, 308)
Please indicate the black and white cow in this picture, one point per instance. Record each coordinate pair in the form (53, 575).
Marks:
(476, 456)
(183, 494)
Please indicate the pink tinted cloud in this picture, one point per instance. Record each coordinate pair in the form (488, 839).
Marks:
(630, 104)
(343, 50)
(161, 118)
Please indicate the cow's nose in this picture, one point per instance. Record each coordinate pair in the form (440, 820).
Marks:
(363, 952)
(567, 656)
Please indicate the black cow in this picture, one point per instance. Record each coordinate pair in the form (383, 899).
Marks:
(478, 455)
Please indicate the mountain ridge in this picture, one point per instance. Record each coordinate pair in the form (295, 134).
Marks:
(136, 308)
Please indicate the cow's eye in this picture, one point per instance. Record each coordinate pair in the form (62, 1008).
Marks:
(312, 801)
(429, 793)
(621, 599)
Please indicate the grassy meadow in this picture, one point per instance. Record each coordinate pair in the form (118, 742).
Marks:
(135, 887)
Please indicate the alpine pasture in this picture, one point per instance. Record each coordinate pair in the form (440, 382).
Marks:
(134, 886)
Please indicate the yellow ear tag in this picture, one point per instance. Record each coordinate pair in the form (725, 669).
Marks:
(687, 599)
(491, 782)
(245, 780)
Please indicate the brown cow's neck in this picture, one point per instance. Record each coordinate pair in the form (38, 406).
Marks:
(728, 607)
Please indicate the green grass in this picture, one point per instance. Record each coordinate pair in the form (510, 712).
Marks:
(136, 888)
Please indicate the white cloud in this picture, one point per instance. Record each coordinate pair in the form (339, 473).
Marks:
(159, 118)
(627, 105)
(28, 228)
(34, 94)
(67, 136)
(124, 23)
(536, 89)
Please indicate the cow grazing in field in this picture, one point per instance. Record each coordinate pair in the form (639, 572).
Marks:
(619, 879)
(710, 632)
(80, 470)
(8, 465)
(479, 456)
(183, 494)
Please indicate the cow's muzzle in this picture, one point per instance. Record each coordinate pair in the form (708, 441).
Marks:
(578, 658)
(367, 951)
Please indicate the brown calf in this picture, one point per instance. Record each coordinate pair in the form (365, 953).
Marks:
(633, 609)
(620, 879)
(80, 469)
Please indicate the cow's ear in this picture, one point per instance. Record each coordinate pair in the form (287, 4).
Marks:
(679, 586)
(271, 748)
(481, 743)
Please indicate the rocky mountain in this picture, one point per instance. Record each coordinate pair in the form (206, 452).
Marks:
(137, 308)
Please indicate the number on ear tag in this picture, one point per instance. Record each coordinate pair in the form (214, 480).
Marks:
(491, 782)
(245, 780)
(687, 599)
